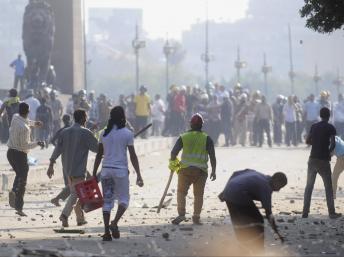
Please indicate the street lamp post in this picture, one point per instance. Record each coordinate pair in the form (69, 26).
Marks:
(168, 50)
(316, 79)
(291, 73)
(266, 69)
(137, 44)
(206, 57)
(338, 82)
(239, 64)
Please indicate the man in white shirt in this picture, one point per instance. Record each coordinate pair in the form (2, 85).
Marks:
(33, 104)
(19, 144)
(158, 115)
(338, 116)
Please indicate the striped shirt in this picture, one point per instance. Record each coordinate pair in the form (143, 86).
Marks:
(19, 138)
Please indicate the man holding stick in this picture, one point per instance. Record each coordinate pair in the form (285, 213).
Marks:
(242, 188)
(196, 146)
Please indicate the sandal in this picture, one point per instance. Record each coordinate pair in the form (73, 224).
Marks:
(114, 231)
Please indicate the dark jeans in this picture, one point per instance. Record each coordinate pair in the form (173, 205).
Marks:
(141, 122)
(322, 167)
(277, 132)
(255, 132)
(226, 129)
(248, 226)
(340, 128)
(43, 135)
(18, 79)
(299, 130)
(18, 161)
(290, 133)
(264, 125)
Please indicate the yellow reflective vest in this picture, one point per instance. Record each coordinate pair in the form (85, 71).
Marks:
(195, 152)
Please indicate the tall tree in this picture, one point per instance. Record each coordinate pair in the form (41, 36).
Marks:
(324, 16)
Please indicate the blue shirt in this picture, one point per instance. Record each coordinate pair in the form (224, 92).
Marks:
(247, 185)
(312, 110)
(19, 67)
(339, 148)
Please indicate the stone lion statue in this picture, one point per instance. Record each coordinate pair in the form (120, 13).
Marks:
(38, 40)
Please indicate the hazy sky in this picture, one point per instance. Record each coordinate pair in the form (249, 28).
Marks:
(174, 16)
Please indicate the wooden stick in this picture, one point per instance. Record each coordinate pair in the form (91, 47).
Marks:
(165, 192)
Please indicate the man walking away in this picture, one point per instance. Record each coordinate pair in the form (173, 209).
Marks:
(242, 189)
(226, 118)
(289, 112)
(19, 144)
(19, 67)
(65, 192)
(196, 146)
(33, 103)
(158, 115)
(322, 139)
(73, 146)
(57, 110)
(277, 109)
(114, 143)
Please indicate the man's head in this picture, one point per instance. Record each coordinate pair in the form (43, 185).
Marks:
(19, 56)
(43, 101)
(80, 117)
(53, 95)
(196, 122)
(13, 92)
(66, 119)
(263, 99)
(143, 90)
(278, 180)
(311, 98)
(24, 109)
(157, 97)
(325, 113)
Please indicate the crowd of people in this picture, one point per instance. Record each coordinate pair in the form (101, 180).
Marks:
(243, 117)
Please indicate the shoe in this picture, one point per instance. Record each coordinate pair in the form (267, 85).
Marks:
(64, 221)
(335, 215)
(107, 237)
(21, 213)
(197, 221)
(55, 202)
(178, 220)
(12, 199)
(81, 223)
(305, 215)
(114, 231)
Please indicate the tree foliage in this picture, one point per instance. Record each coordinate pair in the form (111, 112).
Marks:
(324, 16)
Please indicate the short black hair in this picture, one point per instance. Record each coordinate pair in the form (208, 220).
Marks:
(23, 109)
(79, 115)
(13, 92)
(325, 113)
(281, 178)
(66, 118)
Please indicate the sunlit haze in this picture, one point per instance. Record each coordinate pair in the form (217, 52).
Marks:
(174, 16)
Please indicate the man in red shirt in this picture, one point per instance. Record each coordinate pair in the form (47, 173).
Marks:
(178, 111)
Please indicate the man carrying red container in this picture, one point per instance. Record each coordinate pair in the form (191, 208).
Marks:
(74, 145)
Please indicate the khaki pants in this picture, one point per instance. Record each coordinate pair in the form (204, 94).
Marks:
(337, 170)
(72, 200)
(187, 177)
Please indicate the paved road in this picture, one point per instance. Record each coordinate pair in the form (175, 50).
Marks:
(142, 228)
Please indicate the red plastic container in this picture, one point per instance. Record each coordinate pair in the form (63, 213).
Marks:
(89, 195)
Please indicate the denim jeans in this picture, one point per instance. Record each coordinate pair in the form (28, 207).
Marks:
(322, 167)
(290, 133)
(264, 125)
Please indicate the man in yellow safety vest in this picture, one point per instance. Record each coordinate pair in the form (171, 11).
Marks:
(193, 165)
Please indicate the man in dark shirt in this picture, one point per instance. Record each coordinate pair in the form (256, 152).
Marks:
(196, 146)
(241, 190)
(322, 139)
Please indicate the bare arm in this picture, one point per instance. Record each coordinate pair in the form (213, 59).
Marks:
(135, 162)
(98, 159)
